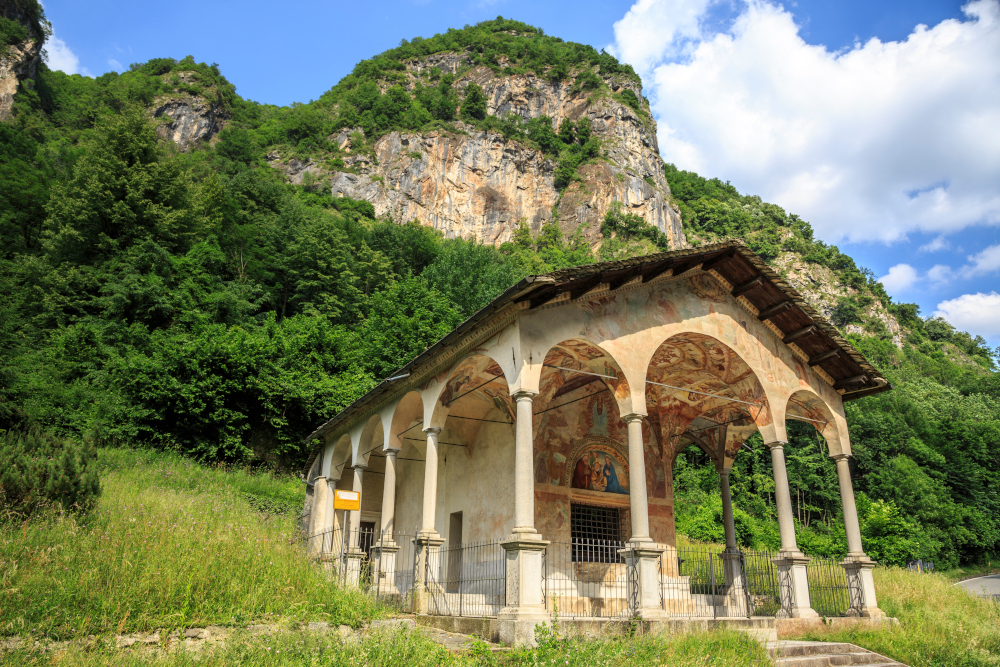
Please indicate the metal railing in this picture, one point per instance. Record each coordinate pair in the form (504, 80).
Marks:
(383, 568)
(588, 578)
(466, 579)
(834, 590)
(710, 582)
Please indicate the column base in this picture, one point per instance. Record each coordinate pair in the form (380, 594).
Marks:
(861, 583)
(794, 583)
(645, 558)
(428, 545)
(384, 558)
(525, 607)
(353, 562)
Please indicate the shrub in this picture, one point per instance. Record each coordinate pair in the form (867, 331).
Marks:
(39, 469)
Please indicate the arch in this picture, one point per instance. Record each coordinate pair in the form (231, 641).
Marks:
(807, 406)
(711, 390)
(337, 450)
(597, 367)
(474, 388)
(372, 437)
(407, 413)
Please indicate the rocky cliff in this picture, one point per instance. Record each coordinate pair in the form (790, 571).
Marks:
(18, 61)
(187, 118)
(472, 183)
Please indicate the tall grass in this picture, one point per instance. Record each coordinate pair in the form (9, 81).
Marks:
(413, 649)
(171, 544)
(940, 625)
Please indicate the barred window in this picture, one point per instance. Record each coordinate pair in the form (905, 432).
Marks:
(597, 533)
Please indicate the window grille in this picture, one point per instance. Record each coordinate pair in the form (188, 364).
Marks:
(597, 533)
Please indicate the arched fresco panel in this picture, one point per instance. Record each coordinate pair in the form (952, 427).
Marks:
(630, 324)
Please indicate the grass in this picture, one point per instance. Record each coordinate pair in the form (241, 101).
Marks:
(171, 544)
(412, 649)
(940, 624)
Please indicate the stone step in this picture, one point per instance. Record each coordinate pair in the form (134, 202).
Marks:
(856, 659)
(825, 654)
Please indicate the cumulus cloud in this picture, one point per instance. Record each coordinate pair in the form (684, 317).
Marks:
(900, 278)
(939, 243)
(983, 263)
(869, 143)
(59, 56)
(979, 314)
(940, 273)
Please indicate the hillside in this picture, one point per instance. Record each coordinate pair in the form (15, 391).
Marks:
(194, 271)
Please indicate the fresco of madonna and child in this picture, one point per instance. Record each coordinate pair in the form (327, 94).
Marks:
(599, 470)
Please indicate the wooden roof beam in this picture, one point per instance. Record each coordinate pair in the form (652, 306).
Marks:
(844, 383)
(655, 271)
(742, 289)
(825, 356)
(801, 333)
(776, 309)
(584, 286)
(718, 261)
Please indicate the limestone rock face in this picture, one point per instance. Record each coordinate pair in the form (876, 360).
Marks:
(472, 183)
(191, 118)
(17, 64)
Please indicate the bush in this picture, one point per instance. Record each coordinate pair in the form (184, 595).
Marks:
(38, 469)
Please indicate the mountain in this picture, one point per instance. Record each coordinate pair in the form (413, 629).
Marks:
(190, 270)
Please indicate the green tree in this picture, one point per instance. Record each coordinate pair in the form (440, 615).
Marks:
(474, 105)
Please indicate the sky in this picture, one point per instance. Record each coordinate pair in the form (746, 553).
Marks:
(878, 122)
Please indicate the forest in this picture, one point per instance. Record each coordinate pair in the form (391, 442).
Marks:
(198, 303)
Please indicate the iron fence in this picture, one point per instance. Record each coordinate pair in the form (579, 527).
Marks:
(588, 578)
(698, 581)
(466, 579)
(381, 567)
(834, 590)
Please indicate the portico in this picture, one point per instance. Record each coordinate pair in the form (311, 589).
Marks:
(544, 431)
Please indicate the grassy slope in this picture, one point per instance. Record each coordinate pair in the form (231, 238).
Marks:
(171, 544)
(940, 625)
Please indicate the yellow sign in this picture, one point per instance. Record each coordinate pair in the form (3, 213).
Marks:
(346, 500)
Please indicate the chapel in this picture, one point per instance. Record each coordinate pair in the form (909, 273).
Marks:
(522, 466)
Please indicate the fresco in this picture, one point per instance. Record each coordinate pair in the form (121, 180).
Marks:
(599, 467)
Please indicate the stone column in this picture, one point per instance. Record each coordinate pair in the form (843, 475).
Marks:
(385, 549)
(641, 554)
(638, 501)
(428, 542)
(317, 518)
(731, 557)
(791, 562)
(355, 557)
(523, 549)
(858, 566)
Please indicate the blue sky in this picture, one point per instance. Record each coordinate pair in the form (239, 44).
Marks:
(885, 136)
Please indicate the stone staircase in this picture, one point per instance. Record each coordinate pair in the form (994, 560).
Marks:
(825, 654)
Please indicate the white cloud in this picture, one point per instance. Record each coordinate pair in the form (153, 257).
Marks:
(979, 314)
(939, 243)
(653, 29)
(939, 273)
(115, 65)
(872, 142)
(983, 263)
(59, 56)
(900, 278)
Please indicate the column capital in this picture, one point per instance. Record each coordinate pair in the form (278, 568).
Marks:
(840, 457)
(725, 472)
(393, 451)
(523, 393)
(432, 430)
(777, 444)
(320, 477)
(632, 416)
